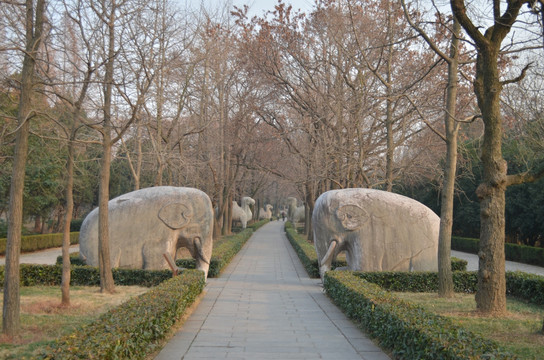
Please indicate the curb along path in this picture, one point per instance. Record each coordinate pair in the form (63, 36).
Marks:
(264, 306)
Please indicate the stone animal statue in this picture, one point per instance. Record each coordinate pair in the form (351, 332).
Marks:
(378, 230)
(238, 214)
(266, 214)
(246, 202)
(242, 213)
(147, 223)
(295, 213)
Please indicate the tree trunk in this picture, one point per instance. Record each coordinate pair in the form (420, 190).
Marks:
(491, 293)
(104, 260)
(445, 279)
(390, 152)
(65, 282)
(309, 208)
(11, 322)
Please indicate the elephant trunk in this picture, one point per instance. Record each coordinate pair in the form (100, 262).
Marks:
(198, 246)
(326, 261)
(202, 262)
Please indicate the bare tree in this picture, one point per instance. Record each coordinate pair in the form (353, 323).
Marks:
(34, 26)
(445, 283)
(491, 294)
(113, 15)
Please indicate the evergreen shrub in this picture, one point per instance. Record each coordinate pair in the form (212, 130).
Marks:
(529, 287)
(131, 330)
(74, 259)
(51, 275)
(32, 243)
(408, 330)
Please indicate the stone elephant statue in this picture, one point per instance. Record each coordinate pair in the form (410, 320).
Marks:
(378, 230)
(147, 223)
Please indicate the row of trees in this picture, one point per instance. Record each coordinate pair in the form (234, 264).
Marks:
(120, 95)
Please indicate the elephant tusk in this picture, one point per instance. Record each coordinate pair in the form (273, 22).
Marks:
(330, 251)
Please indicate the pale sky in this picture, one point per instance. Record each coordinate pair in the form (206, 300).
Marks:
(257, 7)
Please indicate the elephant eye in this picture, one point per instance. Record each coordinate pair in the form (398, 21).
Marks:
(348, 216)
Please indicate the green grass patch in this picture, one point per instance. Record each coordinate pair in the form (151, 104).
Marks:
(519, 332)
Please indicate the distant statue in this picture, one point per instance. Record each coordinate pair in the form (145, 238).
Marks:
(242, 213)
(295, 213)
(266, 214)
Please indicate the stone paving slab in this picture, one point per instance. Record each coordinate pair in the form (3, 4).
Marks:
(264, 306)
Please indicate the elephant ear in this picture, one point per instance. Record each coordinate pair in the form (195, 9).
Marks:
(352, 217)
(175, 215)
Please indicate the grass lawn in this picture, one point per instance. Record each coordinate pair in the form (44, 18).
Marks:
(43, 320)
(519, 331)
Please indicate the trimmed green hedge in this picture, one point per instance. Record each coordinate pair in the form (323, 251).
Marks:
(513, 252)
(305, 251)
(40, 242)
(308, 256)
(131, 330)
(458, 264)
(463, 281)
(51, 275)
(74, 259)
(409, 331)
(528, 287)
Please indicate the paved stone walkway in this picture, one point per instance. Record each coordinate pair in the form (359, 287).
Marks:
(472, 264)
(264, 306)
(44, 257)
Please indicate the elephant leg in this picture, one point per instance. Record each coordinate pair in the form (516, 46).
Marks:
(326, 261)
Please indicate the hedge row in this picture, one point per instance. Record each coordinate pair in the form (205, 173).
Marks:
(131, 330)
(408, 330)
(51, 275)
(305, 251)
(39, 242)
(463, 281)
(513, 252)
(528, 287)
(308, 256)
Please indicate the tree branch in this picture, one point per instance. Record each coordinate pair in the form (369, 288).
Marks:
(523, 178)
(520, 77)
